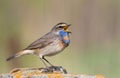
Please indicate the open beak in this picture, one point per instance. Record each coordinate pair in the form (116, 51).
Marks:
(69, 25)
(66, 28)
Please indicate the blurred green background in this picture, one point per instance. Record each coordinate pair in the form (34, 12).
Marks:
(95, 39)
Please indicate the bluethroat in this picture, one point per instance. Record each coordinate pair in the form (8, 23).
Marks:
(50, 44)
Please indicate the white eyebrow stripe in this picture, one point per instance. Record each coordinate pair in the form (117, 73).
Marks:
(62, 25)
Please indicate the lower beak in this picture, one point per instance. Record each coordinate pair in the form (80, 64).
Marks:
(69, 25)
(66, 29)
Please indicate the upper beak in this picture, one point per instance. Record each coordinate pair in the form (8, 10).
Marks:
(66, 29)
(69, 25)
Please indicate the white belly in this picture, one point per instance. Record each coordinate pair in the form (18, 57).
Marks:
(52, 49)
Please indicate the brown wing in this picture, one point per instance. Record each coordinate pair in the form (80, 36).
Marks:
(42, 42)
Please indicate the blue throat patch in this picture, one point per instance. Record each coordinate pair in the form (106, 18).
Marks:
(65, 36)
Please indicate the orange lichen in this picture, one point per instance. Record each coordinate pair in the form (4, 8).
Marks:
(18, 75)
(55, 75)
(99, 76)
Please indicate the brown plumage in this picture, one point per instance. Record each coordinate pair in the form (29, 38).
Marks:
(50, 44)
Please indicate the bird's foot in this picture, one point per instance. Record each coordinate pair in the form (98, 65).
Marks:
(52, 69)
(58, 68)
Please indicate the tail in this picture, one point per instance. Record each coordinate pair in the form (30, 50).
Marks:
(11, 57)
(20, 54)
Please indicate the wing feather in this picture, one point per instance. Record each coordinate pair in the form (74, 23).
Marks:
(41, 42)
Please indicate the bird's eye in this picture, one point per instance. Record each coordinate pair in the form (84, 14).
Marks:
(60, 26)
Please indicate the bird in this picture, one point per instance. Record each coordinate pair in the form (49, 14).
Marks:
(52, 43)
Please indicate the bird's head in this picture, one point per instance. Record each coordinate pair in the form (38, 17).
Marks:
(61, 26)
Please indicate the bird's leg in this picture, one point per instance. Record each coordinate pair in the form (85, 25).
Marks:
(47, 61)
(52, 67)
(44, 63)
